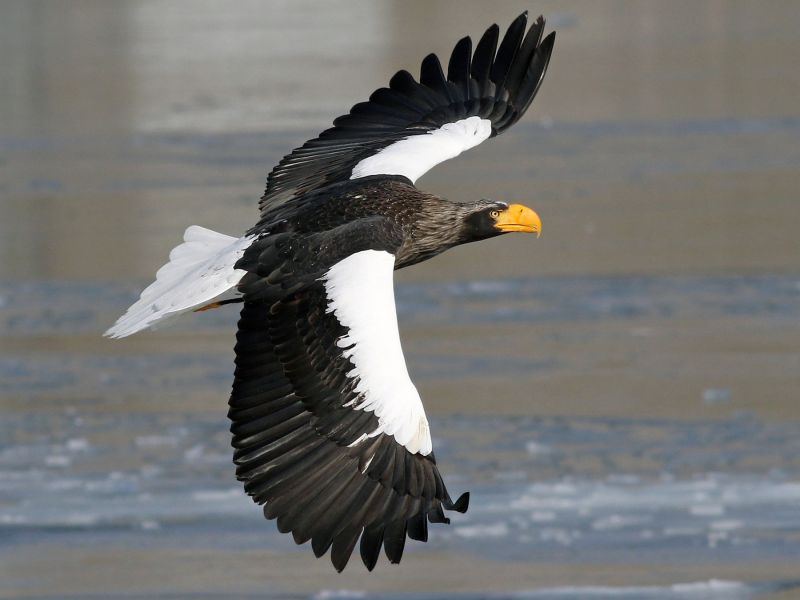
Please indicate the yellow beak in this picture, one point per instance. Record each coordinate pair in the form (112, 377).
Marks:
(519, 218)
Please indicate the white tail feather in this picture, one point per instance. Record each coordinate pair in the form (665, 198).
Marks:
(198, 271)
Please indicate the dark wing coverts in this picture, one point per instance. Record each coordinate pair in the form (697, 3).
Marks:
(491, 83)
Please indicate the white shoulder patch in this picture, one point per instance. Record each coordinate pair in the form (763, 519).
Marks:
(360, 291)
(416, 155)
(198, 271)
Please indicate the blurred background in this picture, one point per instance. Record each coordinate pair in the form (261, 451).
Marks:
(621, 396)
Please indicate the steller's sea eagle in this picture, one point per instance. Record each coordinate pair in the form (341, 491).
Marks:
(329, 432)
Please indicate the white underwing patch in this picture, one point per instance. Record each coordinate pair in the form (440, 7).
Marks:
(417, 154)
(360, 291)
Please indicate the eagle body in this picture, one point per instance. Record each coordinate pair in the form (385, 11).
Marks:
(329, 432)
(374, 213)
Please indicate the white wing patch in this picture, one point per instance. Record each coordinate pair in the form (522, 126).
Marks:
(360, 292)
(416, 155)
(198, 271)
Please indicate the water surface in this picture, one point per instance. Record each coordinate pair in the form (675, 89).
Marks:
(620, 396)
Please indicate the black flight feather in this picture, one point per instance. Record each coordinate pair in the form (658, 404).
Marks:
(458, 69)
(371, 542)
(484, 57)
(506, 53)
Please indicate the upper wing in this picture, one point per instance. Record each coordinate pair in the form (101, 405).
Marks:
(329, 431)
(411, 126)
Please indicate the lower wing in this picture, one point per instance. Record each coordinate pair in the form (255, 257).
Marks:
(328, 430)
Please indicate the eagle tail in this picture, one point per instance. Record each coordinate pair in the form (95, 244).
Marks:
(200, 271)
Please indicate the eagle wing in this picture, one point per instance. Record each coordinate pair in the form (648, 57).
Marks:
(329, 431)
(409, 127)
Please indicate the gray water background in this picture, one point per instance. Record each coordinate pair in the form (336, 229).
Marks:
(620, 396)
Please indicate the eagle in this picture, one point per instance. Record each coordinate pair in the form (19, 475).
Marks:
(328, 430)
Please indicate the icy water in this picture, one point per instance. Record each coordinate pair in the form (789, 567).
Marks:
(621, 396)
